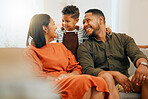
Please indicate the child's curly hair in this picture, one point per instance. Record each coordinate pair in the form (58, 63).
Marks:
(71, 10)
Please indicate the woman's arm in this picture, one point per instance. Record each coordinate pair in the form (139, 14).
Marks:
(35, 63)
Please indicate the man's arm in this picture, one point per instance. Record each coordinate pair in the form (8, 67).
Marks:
(132, 50)
(139, 61)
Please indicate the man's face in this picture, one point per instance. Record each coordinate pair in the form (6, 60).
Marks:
(91, 24)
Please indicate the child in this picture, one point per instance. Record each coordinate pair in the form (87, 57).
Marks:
(70, 34)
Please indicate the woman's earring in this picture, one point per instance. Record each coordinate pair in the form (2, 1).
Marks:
(30, 40)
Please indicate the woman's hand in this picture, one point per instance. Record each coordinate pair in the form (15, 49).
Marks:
(61, 76)
(67, 75)
(50, 78)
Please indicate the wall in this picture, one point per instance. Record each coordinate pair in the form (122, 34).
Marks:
(132, 18)
(15, 16)
(54, 8)
(139, 21)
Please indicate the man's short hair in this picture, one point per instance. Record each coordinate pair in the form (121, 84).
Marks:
(71, 10)
(96, 12)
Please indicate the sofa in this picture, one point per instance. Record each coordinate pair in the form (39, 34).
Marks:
(17, 79)
(16, 53)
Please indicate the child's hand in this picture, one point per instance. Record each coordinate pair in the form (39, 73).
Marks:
(109, 31)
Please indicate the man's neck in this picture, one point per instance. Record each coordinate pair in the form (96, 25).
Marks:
(101, 35)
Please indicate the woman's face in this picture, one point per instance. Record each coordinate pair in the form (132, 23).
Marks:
(51, 28)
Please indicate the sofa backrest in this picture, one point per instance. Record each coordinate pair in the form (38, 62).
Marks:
(11, 62)
(15, 53)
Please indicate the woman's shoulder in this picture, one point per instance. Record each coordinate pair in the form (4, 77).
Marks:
(60, 45)
(56, 44)
(30, 47)
(29, 50)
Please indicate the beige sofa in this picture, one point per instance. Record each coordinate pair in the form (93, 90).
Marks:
(17, 80)
(16, 54)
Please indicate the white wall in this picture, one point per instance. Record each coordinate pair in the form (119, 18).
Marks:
(139, 21)
(132, 18)
(15, 16)
(54, 8)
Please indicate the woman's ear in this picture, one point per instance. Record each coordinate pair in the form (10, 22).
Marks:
(44, 28)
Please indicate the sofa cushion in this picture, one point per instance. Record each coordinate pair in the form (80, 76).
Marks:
(124, 95)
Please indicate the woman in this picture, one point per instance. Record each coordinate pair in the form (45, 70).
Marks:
(55, 60)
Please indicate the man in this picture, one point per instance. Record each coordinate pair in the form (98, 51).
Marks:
(103, 53)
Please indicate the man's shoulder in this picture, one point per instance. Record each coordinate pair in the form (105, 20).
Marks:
(85, 46)
(120, 35)
(87, 43)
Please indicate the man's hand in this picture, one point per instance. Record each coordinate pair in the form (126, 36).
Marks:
(141, 75)
(123, 81)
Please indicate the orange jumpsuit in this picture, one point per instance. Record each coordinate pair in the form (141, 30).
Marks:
(55, 59)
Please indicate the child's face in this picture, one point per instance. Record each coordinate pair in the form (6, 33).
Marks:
(69, 23)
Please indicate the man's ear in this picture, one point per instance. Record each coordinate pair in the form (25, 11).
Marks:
(100, 20)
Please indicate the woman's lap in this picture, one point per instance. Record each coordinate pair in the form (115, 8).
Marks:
(76, 86)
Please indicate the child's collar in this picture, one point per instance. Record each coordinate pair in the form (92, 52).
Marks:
(76, 27)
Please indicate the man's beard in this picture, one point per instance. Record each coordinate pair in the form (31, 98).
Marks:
(93, 35)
